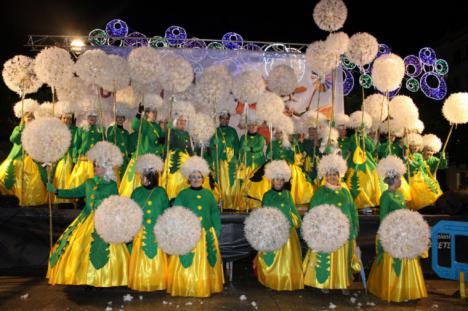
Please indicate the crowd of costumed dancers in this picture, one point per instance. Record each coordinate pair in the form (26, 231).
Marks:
(155, 156)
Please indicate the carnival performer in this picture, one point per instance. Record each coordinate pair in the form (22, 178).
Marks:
(281, 269)
(200, 272)
(394, 279)
(81, 256)
(148, 263)
(119, 136)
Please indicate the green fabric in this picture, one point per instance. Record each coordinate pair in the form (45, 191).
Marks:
(187, 259)
(354, 142)
(85, 138)
(227, 137)
(251, 150)
(433, 161)
(269, 258)
(151, 136)
(343, 145)
(15, 139)
(180, 141)
(120, 137)
(396, 149)
(311, 155)
(397, 266)
(322, 267)
(203, 204)
(419, 165)
(10, 175)
(99, 253)
(280, 152)
(175, 162)
(153, 203)
(354, 189)
(343, 200)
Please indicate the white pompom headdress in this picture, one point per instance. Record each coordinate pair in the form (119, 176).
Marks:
(330, 164)
(149, 163)
(195, 164)
(278, 169)
(391, 167)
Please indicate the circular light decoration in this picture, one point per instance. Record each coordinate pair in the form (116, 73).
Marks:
(197, 50)
(348, 81)
(427, 56)
(175, 35)
(97, 37)
(347, 64)
(436, 93)
(365, 81)
(441, 67)
(136, 39)
(117, 28)
(215, 45)
(413, 66)
(157, 42)
(232, 40)
(383, 49)
(412, 85)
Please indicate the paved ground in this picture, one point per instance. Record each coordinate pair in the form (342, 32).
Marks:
(32, 292)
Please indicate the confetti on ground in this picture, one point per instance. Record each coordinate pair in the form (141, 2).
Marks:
(370, 304)
(127, 298)
(355, 294)
(435, 306)
(331, 305)
(140, 297)
(109, 303)
(189, 303)
(25, 296)
(243, 297)
(353, 299)
(254, 304)
(359, 304)
(108, 308)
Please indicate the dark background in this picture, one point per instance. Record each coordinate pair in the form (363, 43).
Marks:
(406, 26)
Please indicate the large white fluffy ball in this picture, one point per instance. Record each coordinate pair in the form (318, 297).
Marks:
(266, 229)
(362, 48)
(325, 228)
(455, 108)
(177, 231)
(46, 139)
(388, 71)
(92, 66)
(330, 15)
(269, 106)
(404, 234)
(282, 80)
(54, 66)
(320, 59)
(145, 64)
(118, 219)
(19, 75)
(248, 86)
(177, 74)
(376, 105)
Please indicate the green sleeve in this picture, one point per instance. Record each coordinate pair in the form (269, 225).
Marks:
(179, 199)
(354, 213)
(236, 141)
(443, 161)
(384, 206)
(78, 192)
(76, 144)
(259, 145)
(164, 201)
(317, 199)
(15, 136)
(370, 146)
(292, 209)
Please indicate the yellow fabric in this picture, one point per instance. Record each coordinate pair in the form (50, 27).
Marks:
(339, 277)
(83, 170)
(200, 279)
(385, 284)
(127, 185)
(405, 189)
(285, 273)
(144, 273)
(175, 182)
(421, 193)
(3, 173)
(243, 175)
(75, 268)
(228, 191)
(369, 188)
(256, 190)
(62, 175)
(28, 186)
(301, 190)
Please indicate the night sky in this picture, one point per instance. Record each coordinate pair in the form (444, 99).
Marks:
(406, 26)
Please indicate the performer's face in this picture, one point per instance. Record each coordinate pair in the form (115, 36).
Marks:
(196, 179)
(312, 133)
(67, 119)
(396, 183)
(278, 184)
(224, 120)
(333, 179)
(342, 131)
(99, 170)
(181, 124)
(278, 135)
(428, 153)
(152, 116)
(120, 120)
(252, 128)
(92, 120)
(163, 124)
(414, 148)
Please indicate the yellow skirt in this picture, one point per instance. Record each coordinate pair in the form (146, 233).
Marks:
(423, 195)
(301, 190)
(200, 279)
(174, 182)
(62, 175)
(369, 188)
(337, 274)
(75, 268)
(144, 273)
(130, 181)
(228, 192)
(384, 283)
(27, 185)
(83, 170)
(4, 167)
(285, 273)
